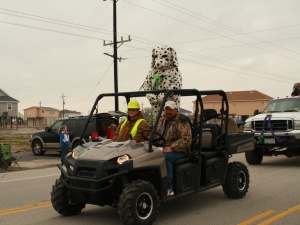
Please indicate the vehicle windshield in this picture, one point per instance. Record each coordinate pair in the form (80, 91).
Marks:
(283, 105)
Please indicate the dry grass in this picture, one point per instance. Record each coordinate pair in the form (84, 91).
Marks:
(16, 141)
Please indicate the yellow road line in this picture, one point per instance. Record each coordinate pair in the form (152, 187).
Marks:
(24, 208)
(280, 215)
(258, 217)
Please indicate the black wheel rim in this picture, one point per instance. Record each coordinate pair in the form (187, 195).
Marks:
(241, 180)
(144, 205)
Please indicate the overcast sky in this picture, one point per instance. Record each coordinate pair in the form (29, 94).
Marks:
(55, 47)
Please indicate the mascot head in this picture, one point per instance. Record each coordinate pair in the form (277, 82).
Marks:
(164, 58)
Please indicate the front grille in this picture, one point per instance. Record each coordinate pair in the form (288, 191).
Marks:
(86, 173)
(277, 125)
(81, 184)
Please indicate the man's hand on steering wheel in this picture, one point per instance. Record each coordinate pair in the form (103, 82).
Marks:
(159, 141)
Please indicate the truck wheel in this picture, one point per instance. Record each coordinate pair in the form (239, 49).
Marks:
(37, 148)
(254, 157)
(62, 201)
(138, 203)
(237, 180)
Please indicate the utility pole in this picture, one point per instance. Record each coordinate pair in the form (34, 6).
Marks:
(63, 101)
(115, 55)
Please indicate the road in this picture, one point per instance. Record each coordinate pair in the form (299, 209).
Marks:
(273, 198)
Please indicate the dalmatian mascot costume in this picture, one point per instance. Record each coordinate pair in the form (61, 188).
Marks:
(164, 74)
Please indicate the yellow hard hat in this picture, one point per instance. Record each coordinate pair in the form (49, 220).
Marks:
(133, 104)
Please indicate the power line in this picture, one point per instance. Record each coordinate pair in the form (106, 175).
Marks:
(216, 23)
(96, 85)
(54, 31)
(224, 36)
(145, 41)
(47, 18)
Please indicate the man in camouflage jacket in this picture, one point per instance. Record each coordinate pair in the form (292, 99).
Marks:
(177, 132)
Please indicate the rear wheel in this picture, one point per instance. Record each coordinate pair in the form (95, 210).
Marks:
(37, 148)
(254, 157)
(138, 203)
(237, 180)
(62, 200)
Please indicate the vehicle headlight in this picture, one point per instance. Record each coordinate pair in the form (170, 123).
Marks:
(74, 155)
(296, 124)
(123, 159)
(247, 126)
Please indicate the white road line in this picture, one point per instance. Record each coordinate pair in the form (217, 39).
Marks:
(28, 178)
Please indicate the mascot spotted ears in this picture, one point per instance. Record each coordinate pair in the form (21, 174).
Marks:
(164, 75)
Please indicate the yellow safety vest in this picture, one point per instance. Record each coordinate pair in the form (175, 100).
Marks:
(135, 127)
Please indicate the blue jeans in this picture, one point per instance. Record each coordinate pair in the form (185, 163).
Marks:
(170, 157)
(64, 151)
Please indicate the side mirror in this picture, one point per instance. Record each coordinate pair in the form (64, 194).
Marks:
(256, 112)
(47, 129)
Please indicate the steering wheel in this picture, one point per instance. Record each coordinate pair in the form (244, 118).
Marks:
(158, 142)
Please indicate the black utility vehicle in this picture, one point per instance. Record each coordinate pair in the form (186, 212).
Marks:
(133, 177)
(49, 139)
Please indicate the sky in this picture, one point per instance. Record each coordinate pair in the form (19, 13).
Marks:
(55, 48)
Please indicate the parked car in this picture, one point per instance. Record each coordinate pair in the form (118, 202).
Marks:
(41, 142)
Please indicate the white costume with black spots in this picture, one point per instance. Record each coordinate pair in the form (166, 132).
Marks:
(164, 75)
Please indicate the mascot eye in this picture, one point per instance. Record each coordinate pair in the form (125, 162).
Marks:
(164, 56)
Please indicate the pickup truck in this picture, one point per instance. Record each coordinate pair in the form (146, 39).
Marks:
(276, 130)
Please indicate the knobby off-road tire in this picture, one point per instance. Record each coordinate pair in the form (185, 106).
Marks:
(237, 180)
(254, 157)
(61, 200)
(37, 148)
(138, 203)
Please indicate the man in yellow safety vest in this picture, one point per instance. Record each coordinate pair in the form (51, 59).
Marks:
(133, 126)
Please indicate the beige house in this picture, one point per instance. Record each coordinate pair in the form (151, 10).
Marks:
(241, 103)
(41, 116)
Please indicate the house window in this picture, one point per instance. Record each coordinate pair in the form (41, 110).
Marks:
(9, 107)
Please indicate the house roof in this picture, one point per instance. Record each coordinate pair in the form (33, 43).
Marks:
(68, 111)
(45, 108)
(7, 99)
(239, 96)
(3, 93)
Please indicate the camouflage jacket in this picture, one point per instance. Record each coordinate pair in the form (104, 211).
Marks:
(177, 133)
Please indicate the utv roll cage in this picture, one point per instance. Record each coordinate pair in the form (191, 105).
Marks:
(200, 115)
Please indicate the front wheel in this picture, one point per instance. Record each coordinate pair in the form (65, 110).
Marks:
(37, 148)
(237, 180)
(138, 203)
(62, 200)
(254, 157)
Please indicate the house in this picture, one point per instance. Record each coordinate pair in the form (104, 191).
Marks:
(8, 109)
(8, 105)
(68, 113)
(41, 116)
(241, 103)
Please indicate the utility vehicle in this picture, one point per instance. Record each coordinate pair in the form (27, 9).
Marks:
(132, 177)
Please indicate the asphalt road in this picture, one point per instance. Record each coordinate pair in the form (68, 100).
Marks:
(30, 161)
(273, 198)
